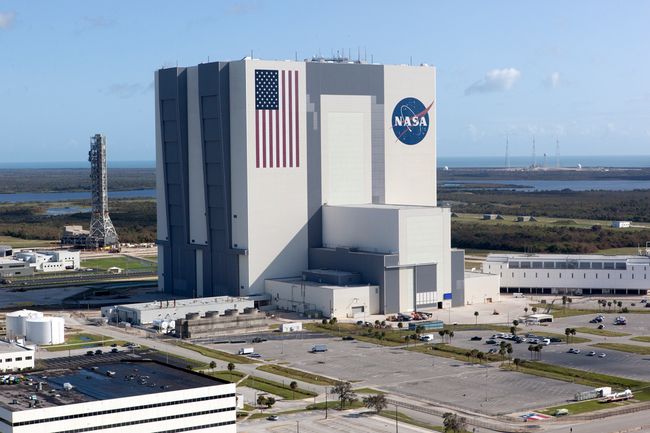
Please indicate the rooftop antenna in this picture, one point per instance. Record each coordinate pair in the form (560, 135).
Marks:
(251, 54)
(557, 153)
(507, 153)
(358, 54)
(544, 160)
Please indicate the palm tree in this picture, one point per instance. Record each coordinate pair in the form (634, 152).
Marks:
(538, 350)
(526, 310)
(468, 354)
(567, 332)
(573, 332)
(480, 356)
(451, 335)
(476, 317)
(377, 402)
(509, 349)
(442, 335)
(609, 305)
(407, 338)
(534, 309)
(620, 304)
(564, 298)
(231, 367)
(517, 363)
(293, 385)
(530, 349)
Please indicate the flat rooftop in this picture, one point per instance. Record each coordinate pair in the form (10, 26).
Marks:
(183, 303)
(6, 347)
(300, 281)
(126, 379)
(585, 257)
(384, 206)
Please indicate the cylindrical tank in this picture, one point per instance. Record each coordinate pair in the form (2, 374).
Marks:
(15, 322)
(250, 310)
(58, 330)
(192, 316)
(211, 314)
(232, 312)
(39, 330)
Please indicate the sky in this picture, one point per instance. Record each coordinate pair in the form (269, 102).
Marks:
(573, 71)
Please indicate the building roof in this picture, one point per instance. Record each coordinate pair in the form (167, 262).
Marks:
(386, 206)
(185, 303)
(7, 347)
(558, 257)
(8, 261)
(130, 379)
(314, 284)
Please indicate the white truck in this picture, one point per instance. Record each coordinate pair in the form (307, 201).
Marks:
(246, 351)
(426, 337)
(319, 348)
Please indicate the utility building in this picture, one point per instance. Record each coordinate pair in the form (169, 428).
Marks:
(263, 167)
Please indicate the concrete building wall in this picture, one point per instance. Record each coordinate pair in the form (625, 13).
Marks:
(270, 202)
(457, 278)
(331, 301)
(481, 288)
(17, 359)
(410, 170)
(372, 229)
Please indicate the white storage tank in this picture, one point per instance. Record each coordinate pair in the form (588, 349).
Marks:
(16, 322)
(45, 330)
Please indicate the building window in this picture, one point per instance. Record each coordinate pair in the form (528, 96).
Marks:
(8, 359)
(535, 274)
(560, 274)
(632, 276)
(524, 275)
(571, 274)
(585, 276)
(548, 275)
(608, 276)
(620, 276)
(28, 358)
(19, 358)
(513, 275)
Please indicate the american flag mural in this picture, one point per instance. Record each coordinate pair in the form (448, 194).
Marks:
(277, 138)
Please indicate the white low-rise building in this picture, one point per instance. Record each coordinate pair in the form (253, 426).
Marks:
(588, 274)
(50, 261)
(147, 312)
(146, 396)
(15, 357)
(620, 224)
(327, 295)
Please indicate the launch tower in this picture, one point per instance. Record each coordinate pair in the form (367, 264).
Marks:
(102, 232)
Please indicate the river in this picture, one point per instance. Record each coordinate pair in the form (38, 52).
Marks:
(71, 196)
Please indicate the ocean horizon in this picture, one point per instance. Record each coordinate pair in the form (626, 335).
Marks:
(617, 161)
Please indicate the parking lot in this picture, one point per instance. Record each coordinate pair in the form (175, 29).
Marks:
(428, 378)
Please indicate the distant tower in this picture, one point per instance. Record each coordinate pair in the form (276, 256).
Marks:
(507, 153)
(534, 154)
(557, 153)
(102, 232)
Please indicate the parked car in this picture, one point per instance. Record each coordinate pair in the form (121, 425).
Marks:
(601, 326)
(348, 338)
(98, 352)
(592, 353)
(492, 351)
(90, 353)
(254, 355)
(490, 341)
(602, 355)
(555, 340)
(114, 350)
(476, 338)
(258, 340)
(273, 418)
(572, 350)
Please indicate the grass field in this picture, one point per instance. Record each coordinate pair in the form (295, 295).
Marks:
(583, 407)
(642, 338)
(217, 354)
(276, 388)
(447, 351)
(629, 348)
(403, 418)
(126, 263)
(602, 332)
(228, 376)
(82, 340)
(27, 243)
(368, 391)
(335, 404)
(292, 373)
(575, 375)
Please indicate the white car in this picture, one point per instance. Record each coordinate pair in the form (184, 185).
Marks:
(602, 355)
(592, 353)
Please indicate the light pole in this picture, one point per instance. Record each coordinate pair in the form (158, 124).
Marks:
(396, 422)
(297, 426)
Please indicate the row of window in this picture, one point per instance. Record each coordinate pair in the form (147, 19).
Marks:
(124, 409)
(198, 427)
(568, 265)
(584, 276)
(145, 421)
(18, 358)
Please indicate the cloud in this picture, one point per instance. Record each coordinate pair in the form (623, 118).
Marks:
(128, 90)
(243, 7)
(496, 80)
(98, 21)
(553, 80)
(6, 19)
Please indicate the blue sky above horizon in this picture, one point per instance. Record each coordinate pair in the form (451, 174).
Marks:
(578, 71)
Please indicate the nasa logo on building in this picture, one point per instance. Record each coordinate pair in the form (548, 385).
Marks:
(410, 120)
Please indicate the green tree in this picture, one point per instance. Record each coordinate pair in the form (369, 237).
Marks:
(476, 317)
(293, 385)
(442, 335)
(270, 401)
(534, 309)
(517, 363)
(345, 393)
(453, 423)
(376, 402)
(400, 325)
(213, 365)
(231, 367)
(567, 332)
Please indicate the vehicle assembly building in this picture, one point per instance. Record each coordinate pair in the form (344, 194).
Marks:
(589, 274)
(266, 169)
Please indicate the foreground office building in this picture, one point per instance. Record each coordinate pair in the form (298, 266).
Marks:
(266, 169)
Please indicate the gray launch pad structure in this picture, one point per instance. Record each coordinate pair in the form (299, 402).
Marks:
(102, 233)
